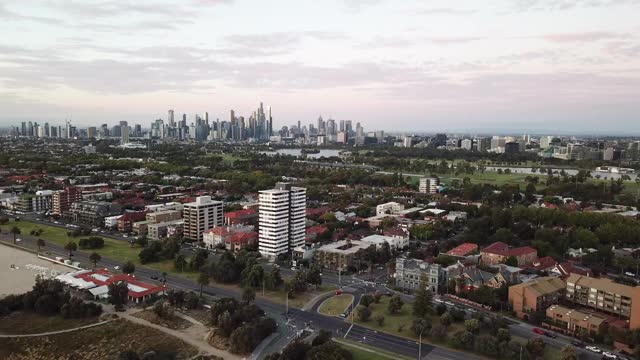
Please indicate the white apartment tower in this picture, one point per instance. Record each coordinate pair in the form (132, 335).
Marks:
(429, 185)
(200, 216)
(282, 215)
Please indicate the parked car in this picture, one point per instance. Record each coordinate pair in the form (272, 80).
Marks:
(449, 303)
(577, 343)
(338, 292)
(550, 334)
(593, 349)
(439, 301)
(608, 355)
(630, 274)
(538, 331)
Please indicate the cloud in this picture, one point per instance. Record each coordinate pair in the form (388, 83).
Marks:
(582, 37)
(453, 40)
(358, 5)
(446, 11)
(557, 5)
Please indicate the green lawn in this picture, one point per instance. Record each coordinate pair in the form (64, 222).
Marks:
(295, 300)
(335, 305)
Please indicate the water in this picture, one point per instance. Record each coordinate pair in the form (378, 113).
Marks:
(298, 152)
(527, 170)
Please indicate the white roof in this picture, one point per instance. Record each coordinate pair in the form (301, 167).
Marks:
(75, 282)
(100, 291)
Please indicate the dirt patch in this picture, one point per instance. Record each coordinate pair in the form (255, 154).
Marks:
(217, 341)
(30, 323)
(102, 342)
(173, 322)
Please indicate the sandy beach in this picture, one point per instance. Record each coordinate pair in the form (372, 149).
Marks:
(27, 265)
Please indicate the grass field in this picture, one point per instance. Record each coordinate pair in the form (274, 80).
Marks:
(335, 305)
(113, 249)
(31, 323)
(297, 300)
(101, 342)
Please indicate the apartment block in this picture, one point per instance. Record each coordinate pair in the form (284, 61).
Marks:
(340, 255)
(282, 217)
(162, 216)
(200, 216)
(429, 185)
(535, 295)
(38, 202)
(62, 200)
(600, 294)
(573, 322)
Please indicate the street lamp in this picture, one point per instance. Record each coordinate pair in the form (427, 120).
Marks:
(420, 345)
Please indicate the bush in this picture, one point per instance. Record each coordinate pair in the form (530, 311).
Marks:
(94, 242)
(367, 300)
(364, 313)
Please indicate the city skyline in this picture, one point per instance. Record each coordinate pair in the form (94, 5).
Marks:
(532, 66)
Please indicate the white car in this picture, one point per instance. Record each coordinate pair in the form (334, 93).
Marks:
(630, 274)
(593, 349)
(116, 267)
(439, 301)
(608, 355)
(18, 239)
(449, 303)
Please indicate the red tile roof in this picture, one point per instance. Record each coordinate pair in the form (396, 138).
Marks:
(111, 278)
(502, 249)
(542, 264)
(463, 249)
(242, 238)
(316, 230)
(395, 231)
(240, 213)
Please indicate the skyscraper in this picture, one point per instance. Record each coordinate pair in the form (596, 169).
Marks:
(282, 216)
(124, 132)
(170, 119)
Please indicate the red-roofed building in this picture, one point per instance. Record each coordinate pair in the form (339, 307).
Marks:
(542, 264)
(97, 283)
(463, 250)
(244, 216)
(317, 212)
(241, 240)
(567, 268)
(125, 222)
(499, 252)
(313, 232)
(396, 233)
(220, 234)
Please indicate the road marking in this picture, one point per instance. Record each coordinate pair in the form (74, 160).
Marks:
(347, 333)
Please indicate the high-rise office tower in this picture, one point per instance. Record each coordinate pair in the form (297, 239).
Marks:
(202, 215)
(282, 216)
(124, 132)
(170, 118)
(47, 132)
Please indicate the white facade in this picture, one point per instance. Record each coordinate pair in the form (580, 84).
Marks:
(282, 216)
(389, 208)
(111, 221)
(395, 242)
(200, 216)
(429, 185)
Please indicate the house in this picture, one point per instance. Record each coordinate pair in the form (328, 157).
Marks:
(389, 208)
(510, 274)
(456, 216)
(218, 235)
(396, 233)
(578, 253)
(567, 268)
(543, 264)
(463, 250)
(535, 295)
(499, 252)
(240, 241)
(473, 278)
(301, 253)
(313, 232)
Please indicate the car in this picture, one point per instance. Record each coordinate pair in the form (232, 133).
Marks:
(630, 274)
(338, 292)
(125, 236)
(449, 303)
(550, 334)
(153, 277)
(594, 349)
(439, 301)
(577, 343)
(608, 355)
(293, 268)
(18, 239)
(538, 331)
(472, 311)
(116, 267)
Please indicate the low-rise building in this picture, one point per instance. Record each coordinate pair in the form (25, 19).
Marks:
(126, 221)
(38, 202)
(600, 294)
(340, 255)
(163, 216)
(410, 271)
(244, 216)
(240, 241)
(499, 252)
(463, 250)
(111, 222)
(389, 208)
(164, 229)
(535, 295)
(141, 227)
(397, 243)
(218, 235)
(90, 213)
(573, 322)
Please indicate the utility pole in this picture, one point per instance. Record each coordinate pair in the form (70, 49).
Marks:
(420, 345)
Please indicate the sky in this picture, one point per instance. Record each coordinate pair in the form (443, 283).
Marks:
(395, 65)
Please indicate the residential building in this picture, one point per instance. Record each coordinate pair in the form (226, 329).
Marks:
(428, 185)
(573, 322)
(282, 217)
(62, 200)
(126, 221)
(410, 271)
(165, 229)
(141, 227)
(463, 250)
(240, 241)
(163, 216)
(340, 255)
(395, 243)
(389, 208)
(244, 216)
(499, 252)
(600, 294)
(219, 234)
(200, 216)
(535, 295)
(38, 202)
(111, 222)
(90, 213)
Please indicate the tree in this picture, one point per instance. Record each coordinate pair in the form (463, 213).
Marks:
(462, 339)
(511, 261)
(421, 325)
(379, 319)
(328, 350)
(128, 268)
(395, 304)
(15, 231)
(487, 345)
(422, 304)
(179, 262)
(203, 279)
(118, 294)
(445, 319)
(313, 275)
(569, 353)
(248, 295)
(472, 326)
(535, 347)
(366, 300)
(323, 337)
(142, 241)
(95, 257)
(71, 247)
(274, 280)
(364, 313)
(128, 355)
(40, 244)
